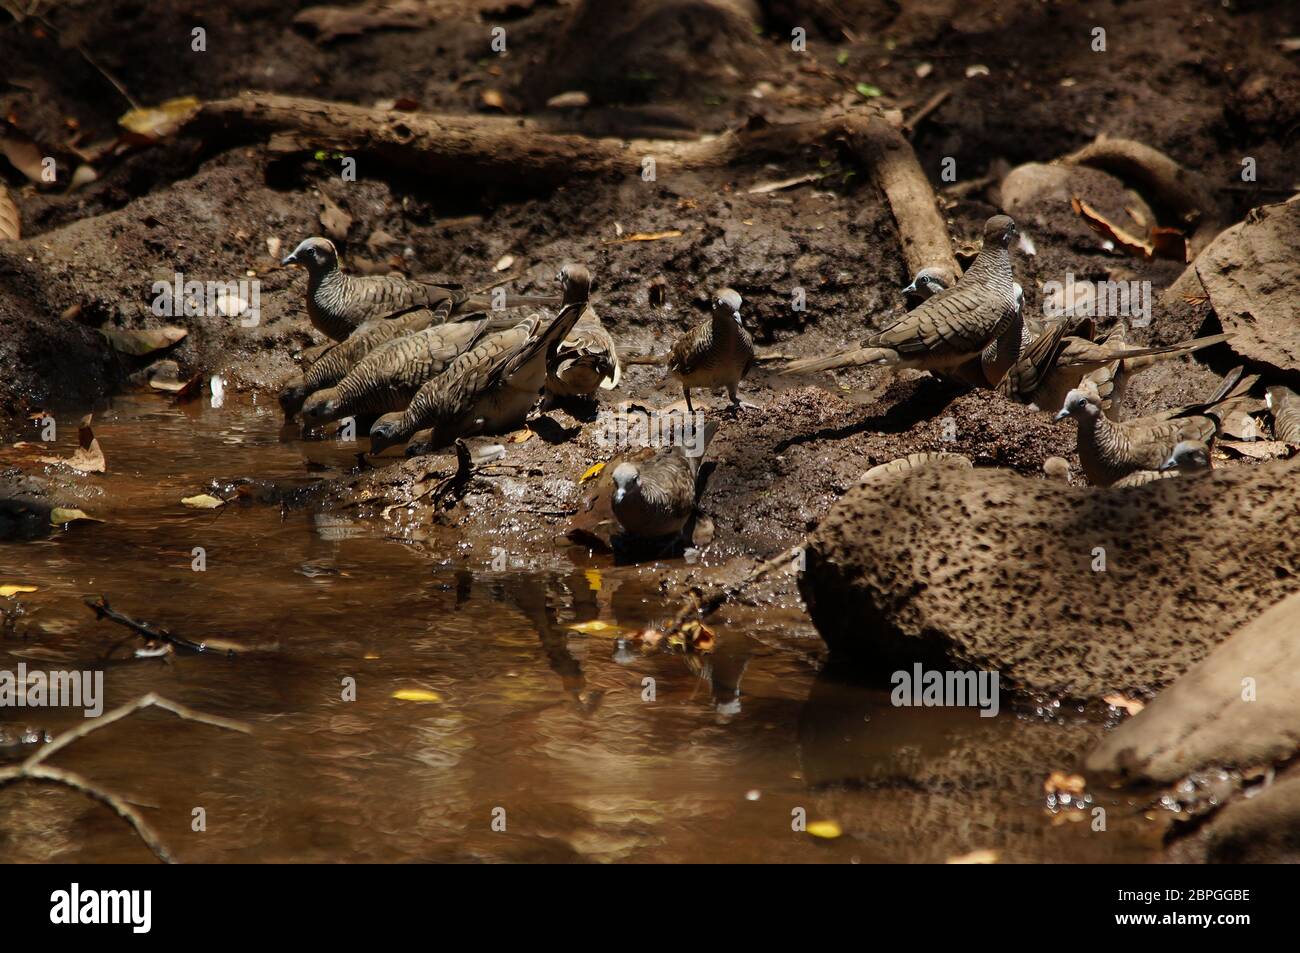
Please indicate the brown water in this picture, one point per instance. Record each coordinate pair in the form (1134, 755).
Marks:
(553, 726)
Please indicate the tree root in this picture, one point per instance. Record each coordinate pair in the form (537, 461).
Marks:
(34, 768)
(500, 150)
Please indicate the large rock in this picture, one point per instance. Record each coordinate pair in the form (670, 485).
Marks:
(1251, 274)
(1212, 716)
(990, 569)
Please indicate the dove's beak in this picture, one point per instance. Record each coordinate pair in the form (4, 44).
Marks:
(290, 259)
(910, 289)
(1061, 415)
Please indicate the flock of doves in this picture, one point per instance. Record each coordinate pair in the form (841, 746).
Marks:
(434, 365)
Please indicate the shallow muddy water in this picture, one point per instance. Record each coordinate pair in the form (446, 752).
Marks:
(557, 728)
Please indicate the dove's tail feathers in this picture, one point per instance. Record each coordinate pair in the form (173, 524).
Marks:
(858, 357)
(1138, 358)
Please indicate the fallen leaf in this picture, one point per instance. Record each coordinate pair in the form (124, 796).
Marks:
(492, 99)
(591, 471)
(975, 857)
(695, 636)
(10, 223)
(1108, 229)
(22, 152)
(9, 591)
(416, 695)
(827, 830)
(1060, 782)
(867, 91)
(140, 341)
(203, 502)
(645, 237)
(59, 515)
(1130, 705)
(88, 457)
(84, 175)
(504, 262)
(159, 122)
(597, 627)
(333, 219)
(522, 436)
(1256, 449)
(593, 579)
(575, 99)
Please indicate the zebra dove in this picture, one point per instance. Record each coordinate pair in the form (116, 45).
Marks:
(332, 366)
(585, 361)
(1284, 404)
(950, 328)
(1189, 456)
(654, 489)
(338, 304)
(1110, 451)
(1001, 354)
(491, 387)
(715, 353)
(387, 378)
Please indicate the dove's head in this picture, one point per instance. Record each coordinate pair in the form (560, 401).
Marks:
(321, 407)
(726, 303)
(386, 432)
(627, 482)
(1000, 230)
(1188, 456)
(927, 283)
(1057, 468)
(291, 397)
(317, 255)
(1079, 405)
(575, 282)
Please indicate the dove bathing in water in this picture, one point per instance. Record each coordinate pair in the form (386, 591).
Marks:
(654, 490)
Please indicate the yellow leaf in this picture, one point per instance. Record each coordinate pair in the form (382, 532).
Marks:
(976, 857)
(590, 472)
(203, 502)
(158, 122)
(416, 695)
(520, 436)
(12, 590)
(593, 579)
(1130, 705)
(828, 830)
(597, 627)
(59, 516)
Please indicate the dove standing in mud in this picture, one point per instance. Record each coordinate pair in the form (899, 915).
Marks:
(586, 361)
(491, 387)
(387, 378)
(715, 353)
(953, 326)
(654, 489)
(338, 304)
(1110, 451)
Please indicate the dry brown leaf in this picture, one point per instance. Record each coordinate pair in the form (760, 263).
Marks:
(333, 219)
(975, 857)
(22, 152)
(59, 516)
(1256, 449)
(1108, 229)
(88, 457)
(203, 501)
(10, 226)
(140, 341)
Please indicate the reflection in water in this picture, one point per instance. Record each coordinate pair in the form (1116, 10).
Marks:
(552, 726)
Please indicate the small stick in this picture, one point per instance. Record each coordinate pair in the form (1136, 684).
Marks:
(103, 610)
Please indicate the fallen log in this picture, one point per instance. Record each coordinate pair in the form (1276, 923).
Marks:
(501, 150)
